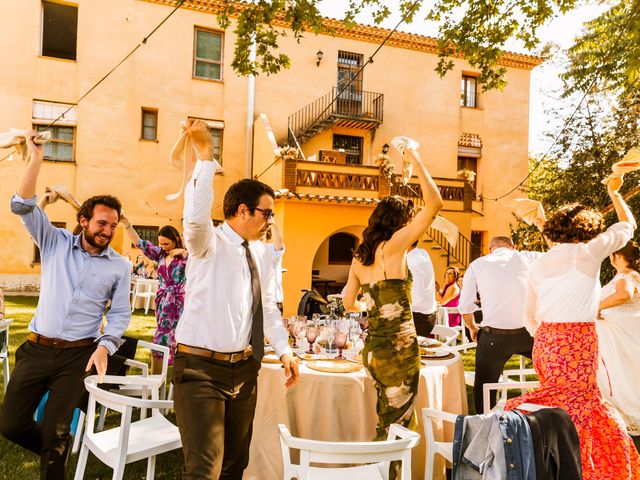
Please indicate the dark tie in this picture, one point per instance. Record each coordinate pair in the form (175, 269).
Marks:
(257, 332)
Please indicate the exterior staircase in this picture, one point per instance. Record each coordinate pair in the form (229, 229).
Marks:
(352, 109)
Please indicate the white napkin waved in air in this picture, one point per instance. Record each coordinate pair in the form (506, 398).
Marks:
(18, 139)
(400, 143)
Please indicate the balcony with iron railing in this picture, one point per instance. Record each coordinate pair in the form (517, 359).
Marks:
(347, 108)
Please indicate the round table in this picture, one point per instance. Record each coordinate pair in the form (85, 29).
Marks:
(341, 407)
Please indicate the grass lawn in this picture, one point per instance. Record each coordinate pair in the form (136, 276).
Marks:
(19, 464)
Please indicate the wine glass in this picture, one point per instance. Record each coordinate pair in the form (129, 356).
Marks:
(312, 334)
(341, 336)
(300, 331)
(289, 324)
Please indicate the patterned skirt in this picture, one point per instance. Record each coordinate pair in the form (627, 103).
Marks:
(392, 359)
(565, 356)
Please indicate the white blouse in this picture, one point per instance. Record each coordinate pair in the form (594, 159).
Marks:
(564, 284)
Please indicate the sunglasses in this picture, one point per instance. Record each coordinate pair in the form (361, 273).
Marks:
(267, 214)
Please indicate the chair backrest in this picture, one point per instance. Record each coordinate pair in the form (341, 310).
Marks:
(119, 403)
(503, 387)
(448, 334)
(4, 337)
(318, 452)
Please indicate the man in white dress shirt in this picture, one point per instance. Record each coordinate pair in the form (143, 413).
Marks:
(423, 291)
(501, 280)
(229, 307)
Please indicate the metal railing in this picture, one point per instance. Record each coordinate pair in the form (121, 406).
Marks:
(462, 251)
(350, 104)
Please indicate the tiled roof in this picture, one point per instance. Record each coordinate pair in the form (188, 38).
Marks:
(365, 33)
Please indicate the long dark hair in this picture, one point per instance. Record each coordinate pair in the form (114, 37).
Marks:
(631, 254)
(172, 234)
(389, 216)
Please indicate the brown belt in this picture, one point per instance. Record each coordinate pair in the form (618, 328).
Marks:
(232, 357)
(504, 331)
(58, 342)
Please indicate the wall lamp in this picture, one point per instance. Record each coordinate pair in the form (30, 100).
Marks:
(319, 55)
(385, 148)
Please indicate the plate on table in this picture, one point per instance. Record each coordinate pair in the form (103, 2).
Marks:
(334, 366)
(428, 342)
(426, 352)
(309, 356)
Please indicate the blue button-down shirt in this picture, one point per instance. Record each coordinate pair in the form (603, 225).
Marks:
(75, 285)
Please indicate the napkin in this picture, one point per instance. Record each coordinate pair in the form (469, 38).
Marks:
(448, 229)
(530, 211)
(400, 143)
(630, 163)
(18, 139)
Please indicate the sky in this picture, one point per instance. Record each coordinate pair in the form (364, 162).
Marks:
(545, 80)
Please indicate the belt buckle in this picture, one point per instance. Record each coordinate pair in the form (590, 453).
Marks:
(236, 357)
(57, 342)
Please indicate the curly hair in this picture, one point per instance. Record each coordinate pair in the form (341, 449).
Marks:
(573, 223)
(631, 254)
(456, 273)
(389, 216)
(87, 208)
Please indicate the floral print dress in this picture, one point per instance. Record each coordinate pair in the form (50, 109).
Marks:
(391, 354)
(170, 295)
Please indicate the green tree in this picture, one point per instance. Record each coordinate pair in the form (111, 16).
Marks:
(478, 30)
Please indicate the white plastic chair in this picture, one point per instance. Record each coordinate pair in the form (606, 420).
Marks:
(130, 441)
(502, 387)
(445, 449)
(4, 350)
(144, 288)
(448, 335)
(156, 391)
(372, 458)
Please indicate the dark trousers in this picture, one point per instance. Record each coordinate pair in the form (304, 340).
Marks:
(38, 369)
(492, 353)
(424, 322)
(215, 403)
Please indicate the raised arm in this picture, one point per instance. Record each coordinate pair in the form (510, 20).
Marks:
(403, 238)
(622, 209)
(198, 195)
(27, 186)
(276, 237)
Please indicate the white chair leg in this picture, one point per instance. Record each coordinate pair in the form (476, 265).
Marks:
(82, 463)
(429, 464)
(151, 468)
(147, 301)
(101, 417)
(118, 471)
(77, 438)
(5, 366)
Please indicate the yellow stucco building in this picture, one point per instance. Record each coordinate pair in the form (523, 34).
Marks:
(117, 140)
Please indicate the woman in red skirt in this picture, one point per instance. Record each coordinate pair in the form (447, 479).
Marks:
(561, 307)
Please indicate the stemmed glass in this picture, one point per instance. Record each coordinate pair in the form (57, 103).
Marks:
(312, 334)
(330, 334)
(299, 332)
(342, 336)
(290, 325)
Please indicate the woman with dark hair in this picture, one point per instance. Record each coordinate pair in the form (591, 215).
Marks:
(449, 296)
(391, 354)
(561, 307)
(171, 258)
(619, 336)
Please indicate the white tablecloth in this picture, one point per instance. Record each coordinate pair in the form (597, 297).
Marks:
(341, 407)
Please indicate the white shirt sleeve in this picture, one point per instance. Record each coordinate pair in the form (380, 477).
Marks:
(198, 201)
(273, 326)
(468, 296)
(613, 239)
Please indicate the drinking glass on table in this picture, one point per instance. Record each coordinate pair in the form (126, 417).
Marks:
(312, 334)
(341, 336)
(299, 332)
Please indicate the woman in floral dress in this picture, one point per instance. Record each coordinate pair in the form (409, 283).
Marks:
(561, 308)
(171, 258)
(391, 355)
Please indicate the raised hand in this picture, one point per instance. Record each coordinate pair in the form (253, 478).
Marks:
(198, 131)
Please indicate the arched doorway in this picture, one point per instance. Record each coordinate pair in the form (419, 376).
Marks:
(333, 258)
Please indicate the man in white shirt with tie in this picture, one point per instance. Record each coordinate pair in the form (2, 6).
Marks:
(501, 280)
(229, 306)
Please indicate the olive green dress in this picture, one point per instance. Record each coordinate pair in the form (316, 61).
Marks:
(391, 354)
